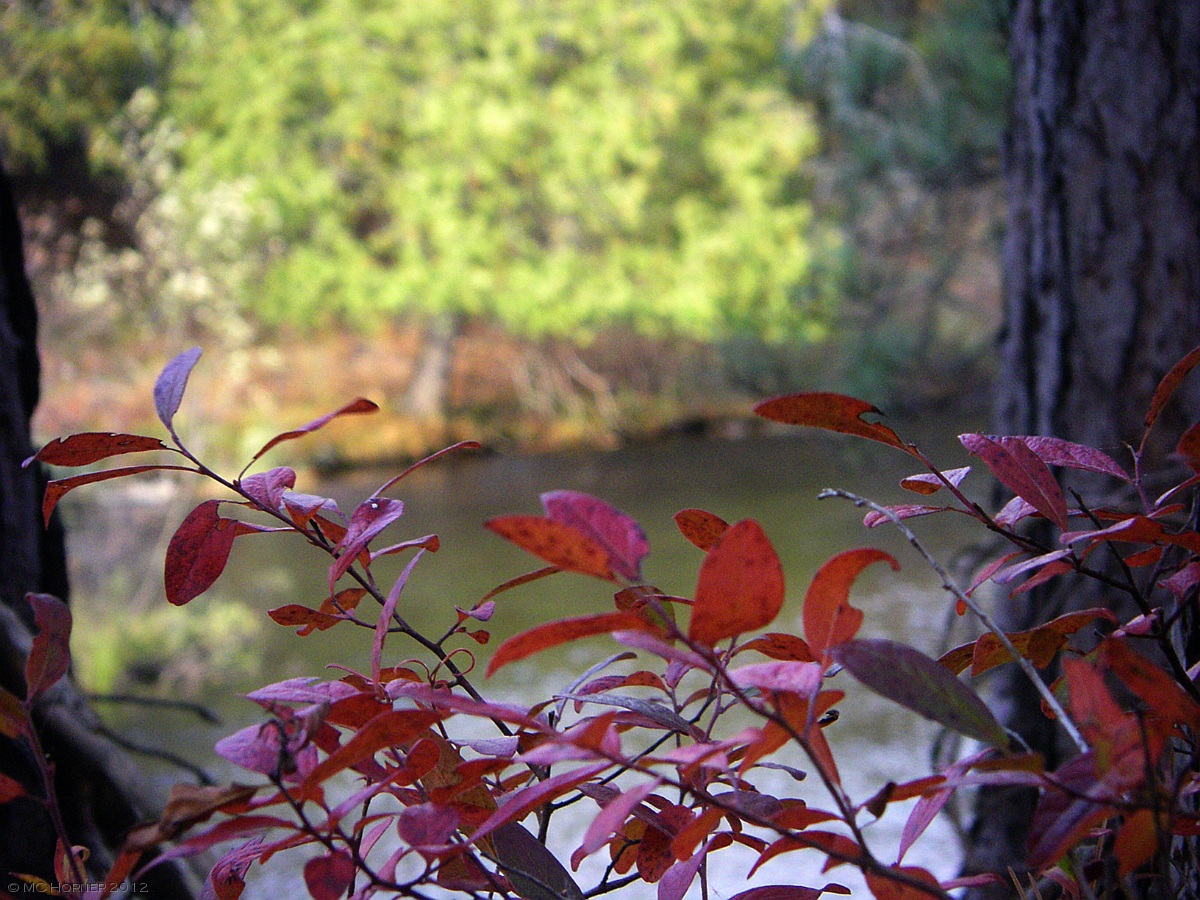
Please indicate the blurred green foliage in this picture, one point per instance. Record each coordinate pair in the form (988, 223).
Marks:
(67, 67)
(556, 165)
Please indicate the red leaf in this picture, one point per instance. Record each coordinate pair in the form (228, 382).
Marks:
(1189, 447)
(780, 646)
(833, 412)
(327, 877)
(700, 527)
(615, 531)
(266, 488)
(50, 655)
(355, 407)
(56, 489)
(740, 587)
(367, 521)
(293, 614)
(1152, 685)
(389, 729)
(522, 802)
(1023, 472)
(10, 789)
(171, 383)
(829, 619)
(552, 634)
(885, 888)
(427, 825)
(916, 682)
(14, 721)
(929, 483)
(1057, 452)
(1168, 385)
(197, 553)
(789, 892)
(89, 447)
(557, 543)
(461, 445)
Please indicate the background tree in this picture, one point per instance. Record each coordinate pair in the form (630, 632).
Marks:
(1102, 268)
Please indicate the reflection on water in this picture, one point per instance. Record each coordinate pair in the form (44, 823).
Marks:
(773, 480)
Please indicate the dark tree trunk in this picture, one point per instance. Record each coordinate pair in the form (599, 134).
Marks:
(1102, 269)
(101, 789)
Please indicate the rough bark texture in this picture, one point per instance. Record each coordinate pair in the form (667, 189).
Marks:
(101, 789)
(1102, 269)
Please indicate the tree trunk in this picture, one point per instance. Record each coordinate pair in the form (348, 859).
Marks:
(101, 789)
(1102, 267)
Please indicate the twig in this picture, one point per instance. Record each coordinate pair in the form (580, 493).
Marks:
(949, 584)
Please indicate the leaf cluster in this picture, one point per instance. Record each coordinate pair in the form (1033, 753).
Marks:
(383, 777)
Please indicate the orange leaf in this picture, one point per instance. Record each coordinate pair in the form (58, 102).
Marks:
(885, 888)
(1137, 842)
(780, 646)
(700, 527)
(740, 587)
(829, 619)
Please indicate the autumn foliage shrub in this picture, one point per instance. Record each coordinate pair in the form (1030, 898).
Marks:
(383, 778)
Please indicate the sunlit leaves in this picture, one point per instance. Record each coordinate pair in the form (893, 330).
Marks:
(87, 448)
(354, 407)
(563, 546)
(740, 587)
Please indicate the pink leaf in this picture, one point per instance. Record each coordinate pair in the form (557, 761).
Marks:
(677, 879)
(789, 892)
(1014, 511)
(874, 518)
(927, 808)
(197, 553)
(740, 587)
(802, 678)
(303, 508)
(262, 748)
(524, 801)
(355, 407)
(327, 877)
(615, 531)
(385, 615)
(266, 488)
(50, 655)
(368, 520)
(171, 383)
(613, 815)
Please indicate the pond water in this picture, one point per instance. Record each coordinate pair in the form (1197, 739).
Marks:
(771, 479)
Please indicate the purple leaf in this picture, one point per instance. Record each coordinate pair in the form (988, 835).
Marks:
(260, 748)
(327, 877)
(916, 682)
(927, 807)
(789, 892)
(612, 529)
(427, 826)
(267, 488)
(303, 508)
(1014, 511)
(197, 553)
(533, 870)
(677, 879)
(50, 655)
(370, 518)
(929, 483)
(171, 383)
(305, 690)
(1057, 452)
